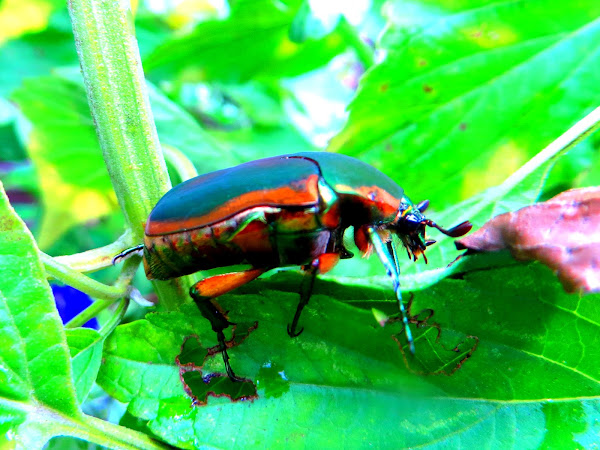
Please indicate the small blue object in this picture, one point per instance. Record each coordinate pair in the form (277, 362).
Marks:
(70, 302)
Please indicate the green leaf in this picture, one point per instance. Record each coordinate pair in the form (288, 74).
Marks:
(35, 376)
(252, 42)
(535, 367)
(64, 148)
(35, 54)
(86, 353)
(469, 91)
(27, 16)
(176, 127)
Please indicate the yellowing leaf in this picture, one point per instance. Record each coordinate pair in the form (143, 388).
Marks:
(18, 17)
(65, 150)
(490, 36)
(503, 162)
(189, 12)
(68, 204)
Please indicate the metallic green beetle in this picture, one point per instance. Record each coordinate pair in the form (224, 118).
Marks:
(282, 211)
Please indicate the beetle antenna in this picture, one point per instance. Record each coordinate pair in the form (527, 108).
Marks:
(422, 206)
(457, 231)
(390, 262)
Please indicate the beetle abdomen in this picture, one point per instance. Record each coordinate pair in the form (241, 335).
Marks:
(261, 237)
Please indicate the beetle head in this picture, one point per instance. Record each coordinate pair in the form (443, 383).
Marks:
(410, 227)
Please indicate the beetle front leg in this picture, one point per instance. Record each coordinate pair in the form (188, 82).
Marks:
(324, 263)
(387, 255)
(203, 293)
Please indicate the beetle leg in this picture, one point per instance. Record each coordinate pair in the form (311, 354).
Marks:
(390, 261)
(324, 263)
(305, 292)
(128, 253)
(204, 291)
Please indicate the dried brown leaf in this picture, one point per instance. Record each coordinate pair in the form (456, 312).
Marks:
(562, 233)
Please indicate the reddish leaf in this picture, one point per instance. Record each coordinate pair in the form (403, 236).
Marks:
(563, 233)
(199, 385)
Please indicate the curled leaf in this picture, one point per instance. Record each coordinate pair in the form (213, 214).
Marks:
(562, 233)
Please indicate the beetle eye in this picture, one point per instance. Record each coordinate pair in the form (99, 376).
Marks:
(412, 223)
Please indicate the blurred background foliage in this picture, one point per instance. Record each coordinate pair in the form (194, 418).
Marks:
(240, 80)
(447, 97)
(232, 82)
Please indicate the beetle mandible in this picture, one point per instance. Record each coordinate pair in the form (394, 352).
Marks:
(289, 210)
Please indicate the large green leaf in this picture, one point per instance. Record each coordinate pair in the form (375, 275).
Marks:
(468, 91)
(252, 42)
(46, 43)
(535, 368)
(63, 145)
(36, 388)
(176, 127)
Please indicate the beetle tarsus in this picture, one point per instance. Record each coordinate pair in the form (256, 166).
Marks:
(389, 258)
(223, 349)
(291, 330)
(305, 292)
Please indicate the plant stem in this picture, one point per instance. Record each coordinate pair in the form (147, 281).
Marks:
(88, 285)
(181, 163)
(115, 436)
(118, 98)
(565, 142)
(98, 258)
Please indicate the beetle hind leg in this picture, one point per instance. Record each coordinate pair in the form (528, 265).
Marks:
(203, 293)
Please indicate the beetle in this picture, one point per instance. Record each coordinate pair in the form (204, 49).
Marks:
(289, 210)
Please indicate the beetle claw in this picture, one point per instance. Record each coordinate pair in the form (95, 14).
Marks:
(223, 349)
(291, 330)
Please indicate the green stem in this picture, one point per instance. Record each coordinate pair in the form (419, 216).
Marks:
(114, 320)
(92, 311)
(118, 98)
(565, 142)
(181, 163)
(98, 258)
(110, 435)
(86, 284)
(50, 422)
